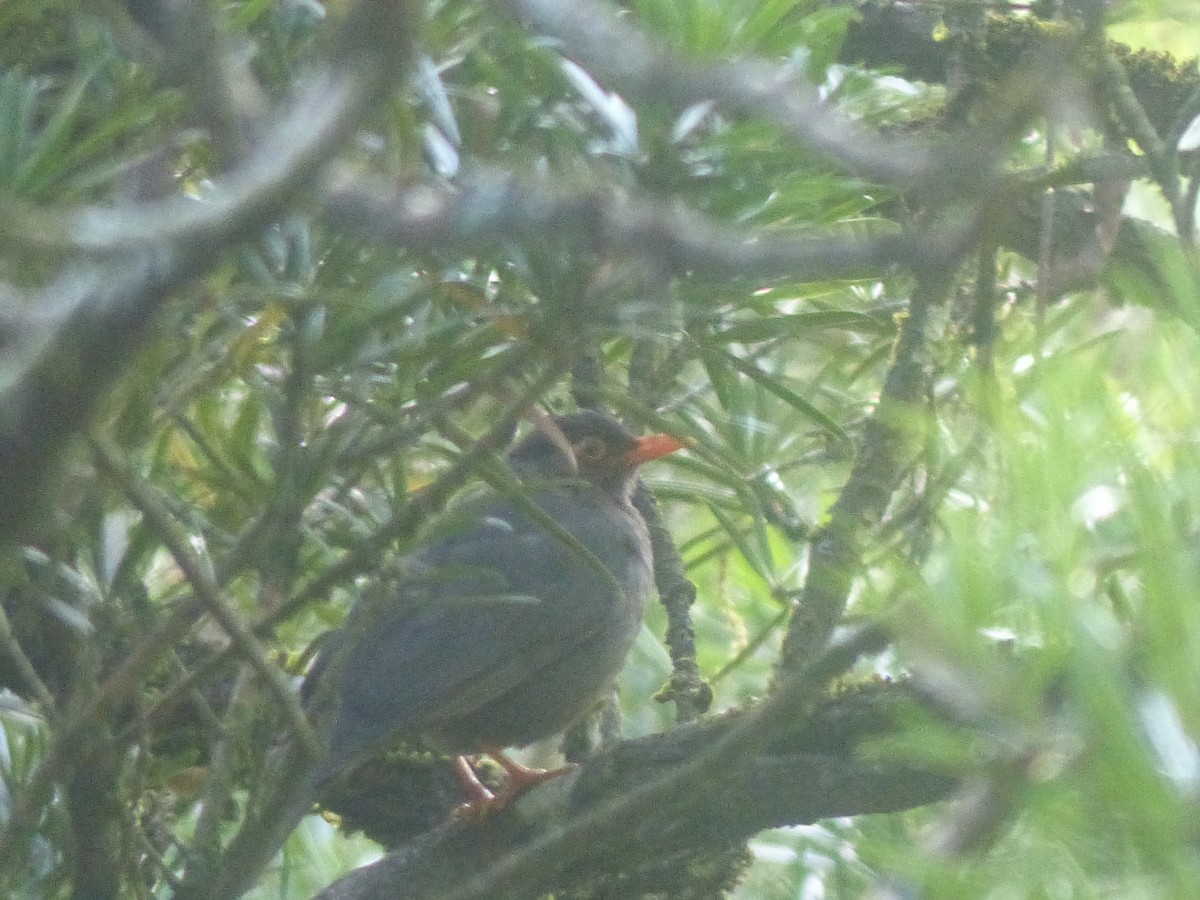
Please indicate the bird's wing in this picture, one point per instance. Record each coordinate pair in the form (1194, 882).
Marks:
(489, 604)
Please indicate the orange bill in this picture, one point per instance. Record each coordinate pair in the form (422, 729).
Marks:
(653, 446)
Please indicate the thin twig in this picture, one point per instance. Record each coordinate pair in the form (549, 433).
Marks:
(1164, 162)
(11, 647)
(200, 576)
(883, 457)
(594, 36)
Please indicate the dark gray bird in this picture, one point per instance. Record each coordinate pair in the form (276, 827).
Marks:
(504, 628)
(515, 616)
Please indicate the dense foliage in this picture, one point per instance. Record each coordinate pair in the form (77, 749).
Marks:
(918, 284)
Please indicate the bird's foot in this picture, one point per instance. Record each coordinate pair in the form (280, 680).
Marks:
(521, 777)
(482, 801)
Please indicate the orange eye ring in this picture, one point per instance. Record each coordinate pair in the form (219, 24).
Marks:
(591, 449)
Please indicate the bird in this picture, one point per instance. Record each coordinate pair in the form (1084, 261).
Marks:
(504, 626)
(512, 618)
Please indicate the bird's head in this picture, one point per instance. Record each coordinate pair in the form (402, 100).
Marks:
(589, 445)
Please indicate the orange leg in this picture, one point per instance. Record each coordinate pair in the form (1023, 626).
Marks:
(521, 778)
(478, 793)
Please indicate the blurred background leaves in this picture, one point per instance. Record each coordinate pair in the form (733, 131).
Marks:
(289, 409)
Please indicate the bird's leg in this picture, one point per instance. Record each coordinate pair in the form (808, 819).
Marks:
(479, 795)
(520, 779)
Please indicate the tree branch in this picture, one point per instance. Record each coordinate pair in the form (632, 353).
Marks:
(147, 250)
(802, 774)
(882, 460)
(496, 205)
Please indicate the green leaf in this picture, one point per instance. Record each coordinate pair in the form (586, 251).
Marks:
(788, 396)
(749, 331)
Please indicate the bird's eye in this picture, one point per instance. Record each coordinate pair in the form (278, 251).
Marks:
(590, 449)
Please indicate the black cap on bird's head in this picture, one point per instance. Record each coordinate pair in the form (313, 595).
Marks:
(589, 445)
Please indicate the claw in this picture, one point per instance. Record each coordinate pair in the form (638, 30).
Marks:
(521, 777)
(482, 801)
